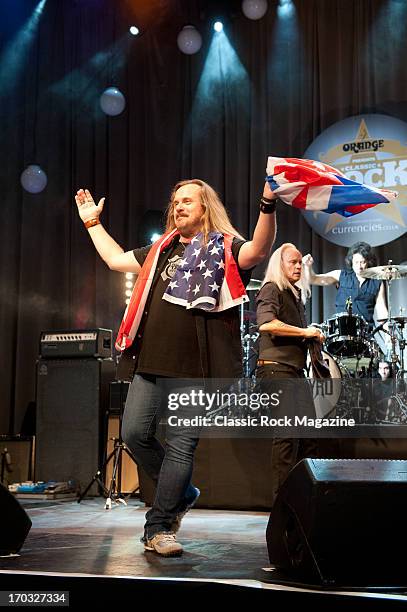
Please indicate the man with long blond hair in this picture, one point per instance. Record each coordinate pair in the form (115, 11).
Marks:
(182, 322)
(283, 350)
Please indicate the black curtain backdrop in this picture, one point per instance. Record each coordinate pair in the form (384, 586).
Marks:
(216, 115)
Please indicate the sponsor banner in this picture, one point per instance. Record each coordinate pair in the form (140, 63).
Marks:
(369, 149)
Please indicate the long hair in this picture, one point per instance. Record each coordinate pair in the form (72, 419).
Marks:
(275, 272)
(364, 249)
(215, 217)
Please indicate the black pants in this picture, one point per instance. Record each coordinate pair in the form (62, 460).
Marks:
(286, 452)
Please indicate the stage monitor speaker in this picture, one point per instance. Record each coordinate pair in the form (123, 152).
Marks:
(341, 522)
(14, 525)
(72, 400)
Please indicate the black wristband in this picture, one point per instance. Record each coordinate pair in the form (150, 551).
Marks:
(267, 206)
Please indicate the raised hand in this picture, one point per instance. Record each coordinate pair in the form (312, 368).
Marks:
(307, 260)
(87, 208)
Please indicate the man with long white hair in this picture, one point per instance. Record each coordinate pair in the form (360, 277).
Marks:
(283, 348)
(182, 322)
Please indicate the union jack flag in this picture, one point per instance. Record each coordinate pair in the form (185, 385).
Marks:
(312, 185)
(208, 278)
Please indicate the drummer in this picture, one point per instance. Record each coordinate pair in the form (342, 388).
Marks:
(366, 294)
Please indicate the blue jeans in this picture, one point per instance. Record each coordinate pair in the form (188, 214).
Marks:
(170, 467)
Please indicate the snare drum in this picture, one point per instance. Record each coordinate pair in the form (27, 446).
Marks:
(347, 335)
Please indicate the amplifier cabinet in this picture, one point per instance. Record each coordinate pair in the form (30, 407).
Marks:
(72, 401)
(76, 343)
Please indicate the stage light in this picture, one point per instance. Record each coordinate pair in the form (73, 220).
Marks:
(33, 179)
(218, 26)
(128, 286)
(150, 227)
(285, 8)
(254, 9)
(189, 40)
(112, 101)
(134, 30)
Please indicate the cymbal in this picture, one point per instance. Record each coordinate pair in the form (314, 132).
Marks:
(389, 272)
(254, 284)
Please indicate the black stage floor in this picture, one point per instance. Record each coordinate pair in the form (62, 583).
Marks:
(96, 555)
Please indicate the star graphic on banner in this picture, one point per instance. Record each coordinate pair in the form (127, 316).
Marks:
(196, 252)
(391, 211)
(210, 242)
(172, 284)
(220, 264)
(182, 263)
(214, 287)
(333, 220)
(195, 239)
(187, 275)
(202, 264)
(215, 251)
(208, 273)
(196, 290)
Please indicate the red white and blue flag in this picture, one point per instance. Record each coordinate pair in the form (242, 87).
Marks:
(315, 186)
(207, 278)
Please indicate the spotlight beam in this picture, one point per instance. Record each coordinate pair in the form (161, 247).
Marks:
(12, 61)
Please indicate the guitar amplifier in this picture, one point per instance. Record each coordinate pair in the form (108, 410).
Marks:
(76, 343)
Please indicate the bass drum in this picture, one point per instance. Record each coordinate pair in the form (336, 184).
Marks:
(326, 392)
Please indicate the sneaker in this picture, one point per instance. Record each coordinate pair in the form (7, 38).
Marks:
(176, 524)
(164, 544)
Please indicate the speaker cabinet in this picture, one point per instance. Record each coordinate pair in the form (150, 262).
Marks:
(14, 525)
(72, 400)
(341, 522)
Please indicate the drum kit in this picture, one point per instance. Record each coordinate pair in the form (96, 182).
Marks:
(352, 352)
(349, 339)
(350, 349)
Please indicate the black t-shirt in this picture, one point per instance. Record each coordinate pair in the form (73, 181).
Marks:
(167, 337)
(272, 303)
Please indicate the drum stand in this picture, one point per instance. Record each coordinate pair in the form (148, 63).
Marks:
(396, 336)
(246, 339)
